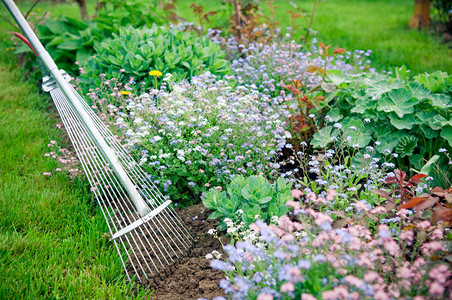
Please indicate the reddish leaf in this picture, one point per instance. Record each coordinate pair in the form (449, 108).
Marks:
(322, 45)
(391, 180)
(430, 202)
(413, 202)
(418, 176)
(448, 197)
(443, 214)
(400, 174)
(438, 191)
(389, 206)
(339, 51)
(384, 194)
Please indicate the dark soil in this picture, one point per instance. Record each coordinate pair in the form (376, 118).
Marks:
(193, 278)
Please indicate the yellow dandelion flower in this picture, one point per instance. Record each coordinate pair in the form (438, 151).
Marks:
(125, 93)
(155, 73)
(7, 49)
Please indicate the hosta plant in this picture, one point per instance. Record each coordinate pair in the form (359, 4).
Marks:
(135, 53)
(254, 196)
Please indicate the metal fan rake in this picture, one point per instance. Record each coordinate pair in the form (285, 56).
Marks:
(148, 234)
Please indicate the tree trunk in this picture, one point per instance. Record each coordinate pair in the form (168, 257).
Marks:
(83, 10)
(421, 17)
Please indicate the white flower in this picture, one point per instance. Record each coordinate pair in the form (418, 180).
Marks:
(231, 230)
(157, 138)
(209, 256)
(211, 231)
(337, 125)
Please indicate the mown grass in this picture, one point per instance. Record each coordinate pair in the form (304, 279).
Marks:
(52, 234)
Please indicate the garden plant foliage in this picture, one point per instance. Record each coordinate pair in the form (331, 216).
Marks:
(134, 52)
(410, 117)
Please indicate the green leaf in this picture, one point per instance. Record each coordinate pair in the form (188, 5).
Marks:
(419, 90)
(399, 101)
(406, 145)
(334, 114)
(377, 89)
(273, 210)
(71, 44)
(389, 141)
(407, 122)
(441, 101)
(357, 132)
(429, 133)
(402, 73)
(264, 200)
(324, 137)
(446, 134)
(427, 168)
(434, 82)
(82, 55)
(428, 119)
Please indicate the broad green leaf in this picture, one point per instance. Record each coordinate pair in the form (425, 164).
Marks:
(407, 122)
(428, 119)
(427, 168)
(337, 79)
(334, 114)
(377, 89)
(441, 121)
(324, 137)
(446, 134)
(357, 132)
(399, 101)
(264, 200)
(419, 90)
(402, 73)
(273, 210)
(389, 141)
(82, 55)
(429, 133)
(434, 82)
(71, 44)
(441, 100)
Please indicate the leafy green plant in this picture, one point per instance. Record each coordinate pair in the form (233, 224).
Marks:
(410, 117)
(69, 40)
(134, 52)
(136, 13)
(254, 195)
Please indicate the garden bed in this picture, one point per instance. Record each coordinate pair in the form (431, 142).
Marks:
(193, 278)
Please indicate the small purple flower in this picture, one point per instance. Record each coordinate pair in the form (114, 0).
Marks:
(220, 265)
(304, 264)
